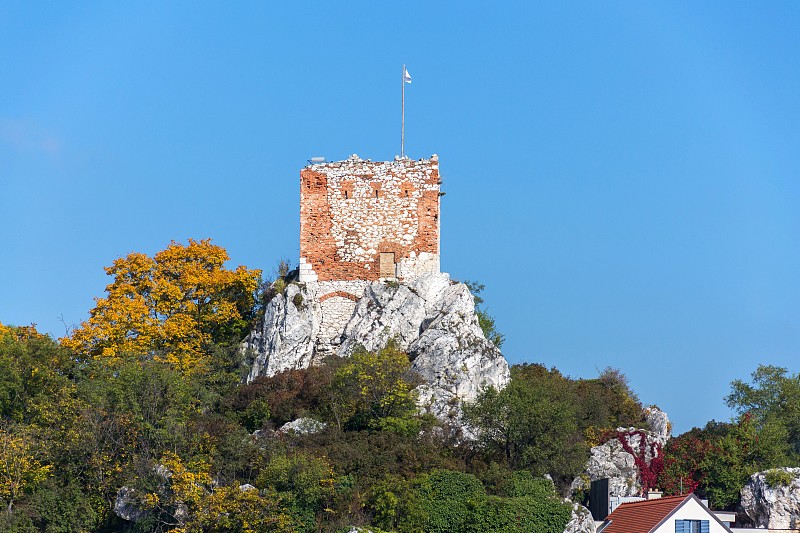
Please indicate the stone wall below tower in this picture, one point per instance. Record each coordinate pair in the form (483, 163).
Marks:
(337, 301)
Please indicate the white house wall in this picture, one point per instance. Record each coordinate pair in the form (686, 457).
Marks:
(691, 510)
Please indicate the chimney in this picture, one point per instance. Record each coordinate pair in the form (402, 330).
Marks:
(653, 494)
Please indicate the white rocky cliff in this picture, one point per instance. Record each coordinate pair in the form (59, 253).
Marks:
(771, 499)
(430, 317)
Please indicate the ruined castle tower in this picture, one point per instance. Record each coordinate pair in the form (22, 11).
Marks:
(369, 273)
(363, 221)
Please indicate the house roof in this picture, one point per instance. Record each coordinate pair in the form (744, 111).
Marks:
(643, 516)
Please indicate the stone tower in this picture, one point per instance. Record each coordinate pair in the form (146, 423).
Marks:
(361, 220)
(369, 273)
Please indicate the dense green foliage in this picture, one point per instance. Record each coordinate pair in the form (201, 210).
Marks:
(545, 423)
(182, 443)
(197, 449)
(772, 402)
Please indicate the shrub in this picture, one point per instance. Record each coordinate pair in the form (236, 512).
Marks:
(524, 514)
(445, 495)
(522, 483)
(777, 477)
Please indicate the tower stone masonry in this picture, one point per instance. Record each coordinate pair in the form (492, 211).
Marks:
(364, 220)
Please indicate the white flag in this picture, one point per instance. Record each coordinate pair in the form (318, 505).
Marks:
(406, 76)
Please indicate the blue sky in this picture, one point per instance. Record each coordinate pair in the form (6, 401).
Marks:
(622, 176)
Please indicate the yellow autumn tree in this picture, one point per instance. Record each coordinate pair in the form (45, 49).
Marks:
(20, 333)
(20, 470)
(191, 501)
(173, 306)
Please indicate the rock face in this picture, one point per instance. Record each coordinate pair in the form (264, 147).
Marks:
(771, 499)
(658, 422)
(430, 317)
(434, 321)
(126, 506)
(610, 460)
(287, 334)
(581, 520)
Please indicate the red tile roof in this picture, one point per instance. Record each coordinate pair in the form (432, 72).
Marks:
(643, 516)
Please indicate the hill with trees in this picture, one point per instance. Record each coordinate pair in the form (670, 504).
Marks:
(142, 420)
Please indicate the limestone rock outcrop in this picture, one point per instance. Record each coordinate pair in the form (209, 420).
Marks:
(285, 339)
(659, 422)
(611, 460)
(433, 320)
(771, 499)
(580, 521)
(430, 317)
(126, 506)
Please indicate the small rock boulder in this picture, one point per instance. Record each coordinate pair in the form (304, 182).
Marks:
(581, 520)
(302, 426)
(126, 505)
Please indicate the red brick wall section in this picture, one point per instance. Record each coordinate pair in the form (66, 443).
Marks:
(316, 242)
(341, 236)
(338, 293)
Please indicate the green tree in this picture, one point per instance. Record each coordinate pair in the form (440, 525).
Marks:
(523, 514)
(33, 370)
(745, 449)
(302, 483)
(606, 403)
(485, 320)
(376, 390)
(523, 483)
(61, 506)
(715, 462)
(453, 501)
(397, 505)
(772, 400)
(531, 424)
(154, 399)
(447, 497)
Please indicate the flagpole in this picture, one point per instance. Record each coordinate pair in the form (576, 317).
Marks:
(403, 113)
